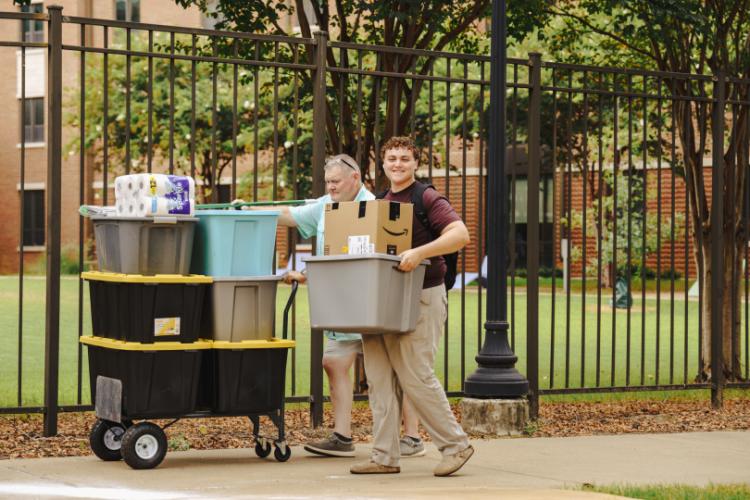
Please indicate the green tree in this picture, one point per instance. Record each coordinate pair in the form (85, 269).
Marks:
(684, 36)
(628, 232)
(430, 25)
(190, 144)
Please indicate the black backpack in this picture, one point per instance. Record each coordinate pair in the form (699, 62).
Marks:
(417, 199)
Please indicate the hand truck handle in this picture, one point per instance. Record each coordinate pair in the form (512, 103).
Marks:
(288, 306)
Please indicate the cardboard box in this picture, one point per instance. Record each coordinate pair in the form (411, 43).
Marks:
(360, 227)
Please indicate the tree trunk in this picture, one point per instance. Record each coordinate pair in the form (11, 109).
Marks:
(730, 312)
(693, 132)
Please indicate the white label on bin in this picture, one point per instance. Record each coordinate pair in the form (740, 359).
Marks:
(359, 245)
(166, 327)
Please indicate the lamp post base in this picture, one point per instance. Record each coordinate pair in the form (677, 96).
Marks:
(496, 376)
(494, 417)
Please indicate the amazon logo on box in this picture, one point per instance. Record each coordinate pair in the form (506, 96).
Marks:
(361, 227)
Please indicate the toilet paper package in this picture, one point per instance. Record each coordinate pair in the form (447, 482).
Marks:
(156, 205)
(142, 195)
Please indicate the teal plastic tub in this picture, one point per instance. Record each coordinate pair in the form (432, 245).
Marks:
(234, 242)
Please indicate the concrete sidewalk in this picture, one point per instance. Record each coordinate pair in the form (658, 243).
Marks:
(524, 468)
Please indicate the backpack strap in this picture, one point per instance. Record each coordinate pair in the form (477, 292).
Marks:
(417, 199)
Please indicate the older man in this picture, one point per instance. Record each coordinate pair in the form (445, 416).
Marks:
(343, 182)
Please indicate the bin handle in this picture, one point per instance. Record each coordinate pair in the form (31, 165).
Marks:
(288, 306)
(399, 270)
(160, 219)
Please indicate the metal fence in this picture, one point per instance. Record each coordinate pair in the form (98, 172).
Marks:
(601, 152)
(635, 168)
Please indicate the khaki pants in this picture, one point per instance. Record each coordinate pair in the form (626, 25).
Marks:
(404, 362)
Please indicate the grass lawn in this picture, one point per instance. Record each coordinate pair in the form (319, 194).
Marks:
(677, 491)
(32, 346)
(568, 352)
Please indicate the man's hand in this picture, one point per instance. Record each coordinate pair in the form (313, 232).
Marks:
(410, 259)
(294, 276)
(240, 201)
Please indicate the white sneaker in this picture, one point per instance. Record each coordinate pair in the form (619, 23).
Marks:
(411, 447)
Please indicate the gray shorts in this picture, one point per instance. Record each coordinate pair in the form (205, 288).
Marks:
(341, 348)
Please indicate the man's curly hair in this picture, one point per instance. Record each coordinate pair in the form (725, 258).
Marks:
(399, 142)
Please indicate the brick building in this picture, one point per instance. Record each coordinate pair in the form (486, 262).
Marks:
(31, 237)
(683, 257)
(33, 156)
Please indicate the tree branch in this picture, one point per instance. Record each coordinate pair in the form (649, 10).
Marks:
(357, 20)
(304, 23)
(320, 14)
(469, 18)
(600, 31)
(344, 35)
(653, 40)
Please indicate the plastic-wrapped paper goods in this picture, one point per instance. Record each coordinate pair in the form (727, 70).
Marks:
(144, 195)
(91, 210)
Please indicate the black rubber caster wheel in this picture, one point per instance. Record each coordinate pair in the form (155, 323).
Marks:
(282, 456)
(105, 440)
(262, 449)
(144, 445)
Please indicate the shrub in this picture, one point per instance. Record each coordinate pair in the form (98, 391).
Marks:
(68, 262)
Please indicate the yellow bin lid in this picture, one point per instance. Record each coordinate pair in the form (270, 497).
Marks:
(139, 278)
(138, 346)
(273, 343)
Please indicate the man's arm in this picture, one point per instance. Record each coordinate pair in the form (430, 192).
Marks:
(454, 237)
(285, 215)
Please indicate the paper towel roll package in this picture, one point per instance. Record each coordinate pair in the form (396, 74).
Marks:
(154, 185)
(142, 195)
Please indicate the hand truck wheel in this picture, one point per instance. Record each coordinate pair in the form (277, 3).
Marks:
(144, 445)
(105, 440)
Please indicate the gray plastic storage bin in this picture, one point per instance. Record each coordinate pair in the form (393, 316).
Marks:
(243, 308)
(144, 245)
(363, 293)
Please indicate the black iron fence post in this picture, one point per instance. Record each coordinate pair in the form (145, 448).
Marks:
(532, 236)
(53, 203)
(717, 247)
(319, 151)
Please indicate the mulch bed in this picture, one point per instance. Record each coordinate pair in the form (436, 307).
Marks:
(21, 435)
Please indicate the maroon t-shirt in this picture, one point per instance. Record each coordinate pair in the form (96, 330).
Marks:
(440, 214)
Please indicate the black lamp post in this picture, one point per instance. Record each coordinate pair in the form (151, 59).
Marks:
(496, 376)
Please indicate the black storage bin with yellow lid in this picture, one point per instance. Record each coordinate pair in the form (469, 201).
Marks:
(245, 377)
(147, 309)
(159, 380)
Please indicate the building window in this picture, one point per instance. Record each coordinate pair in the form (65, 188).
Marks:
(224, 193)
(33, 30)
(545, 199)
(35, 73)
(33, 218)
(33, 123)
(128, 10)
(546, 189)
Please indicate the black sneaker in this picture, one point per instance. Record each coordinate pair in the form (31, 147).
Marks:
(332, 446)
